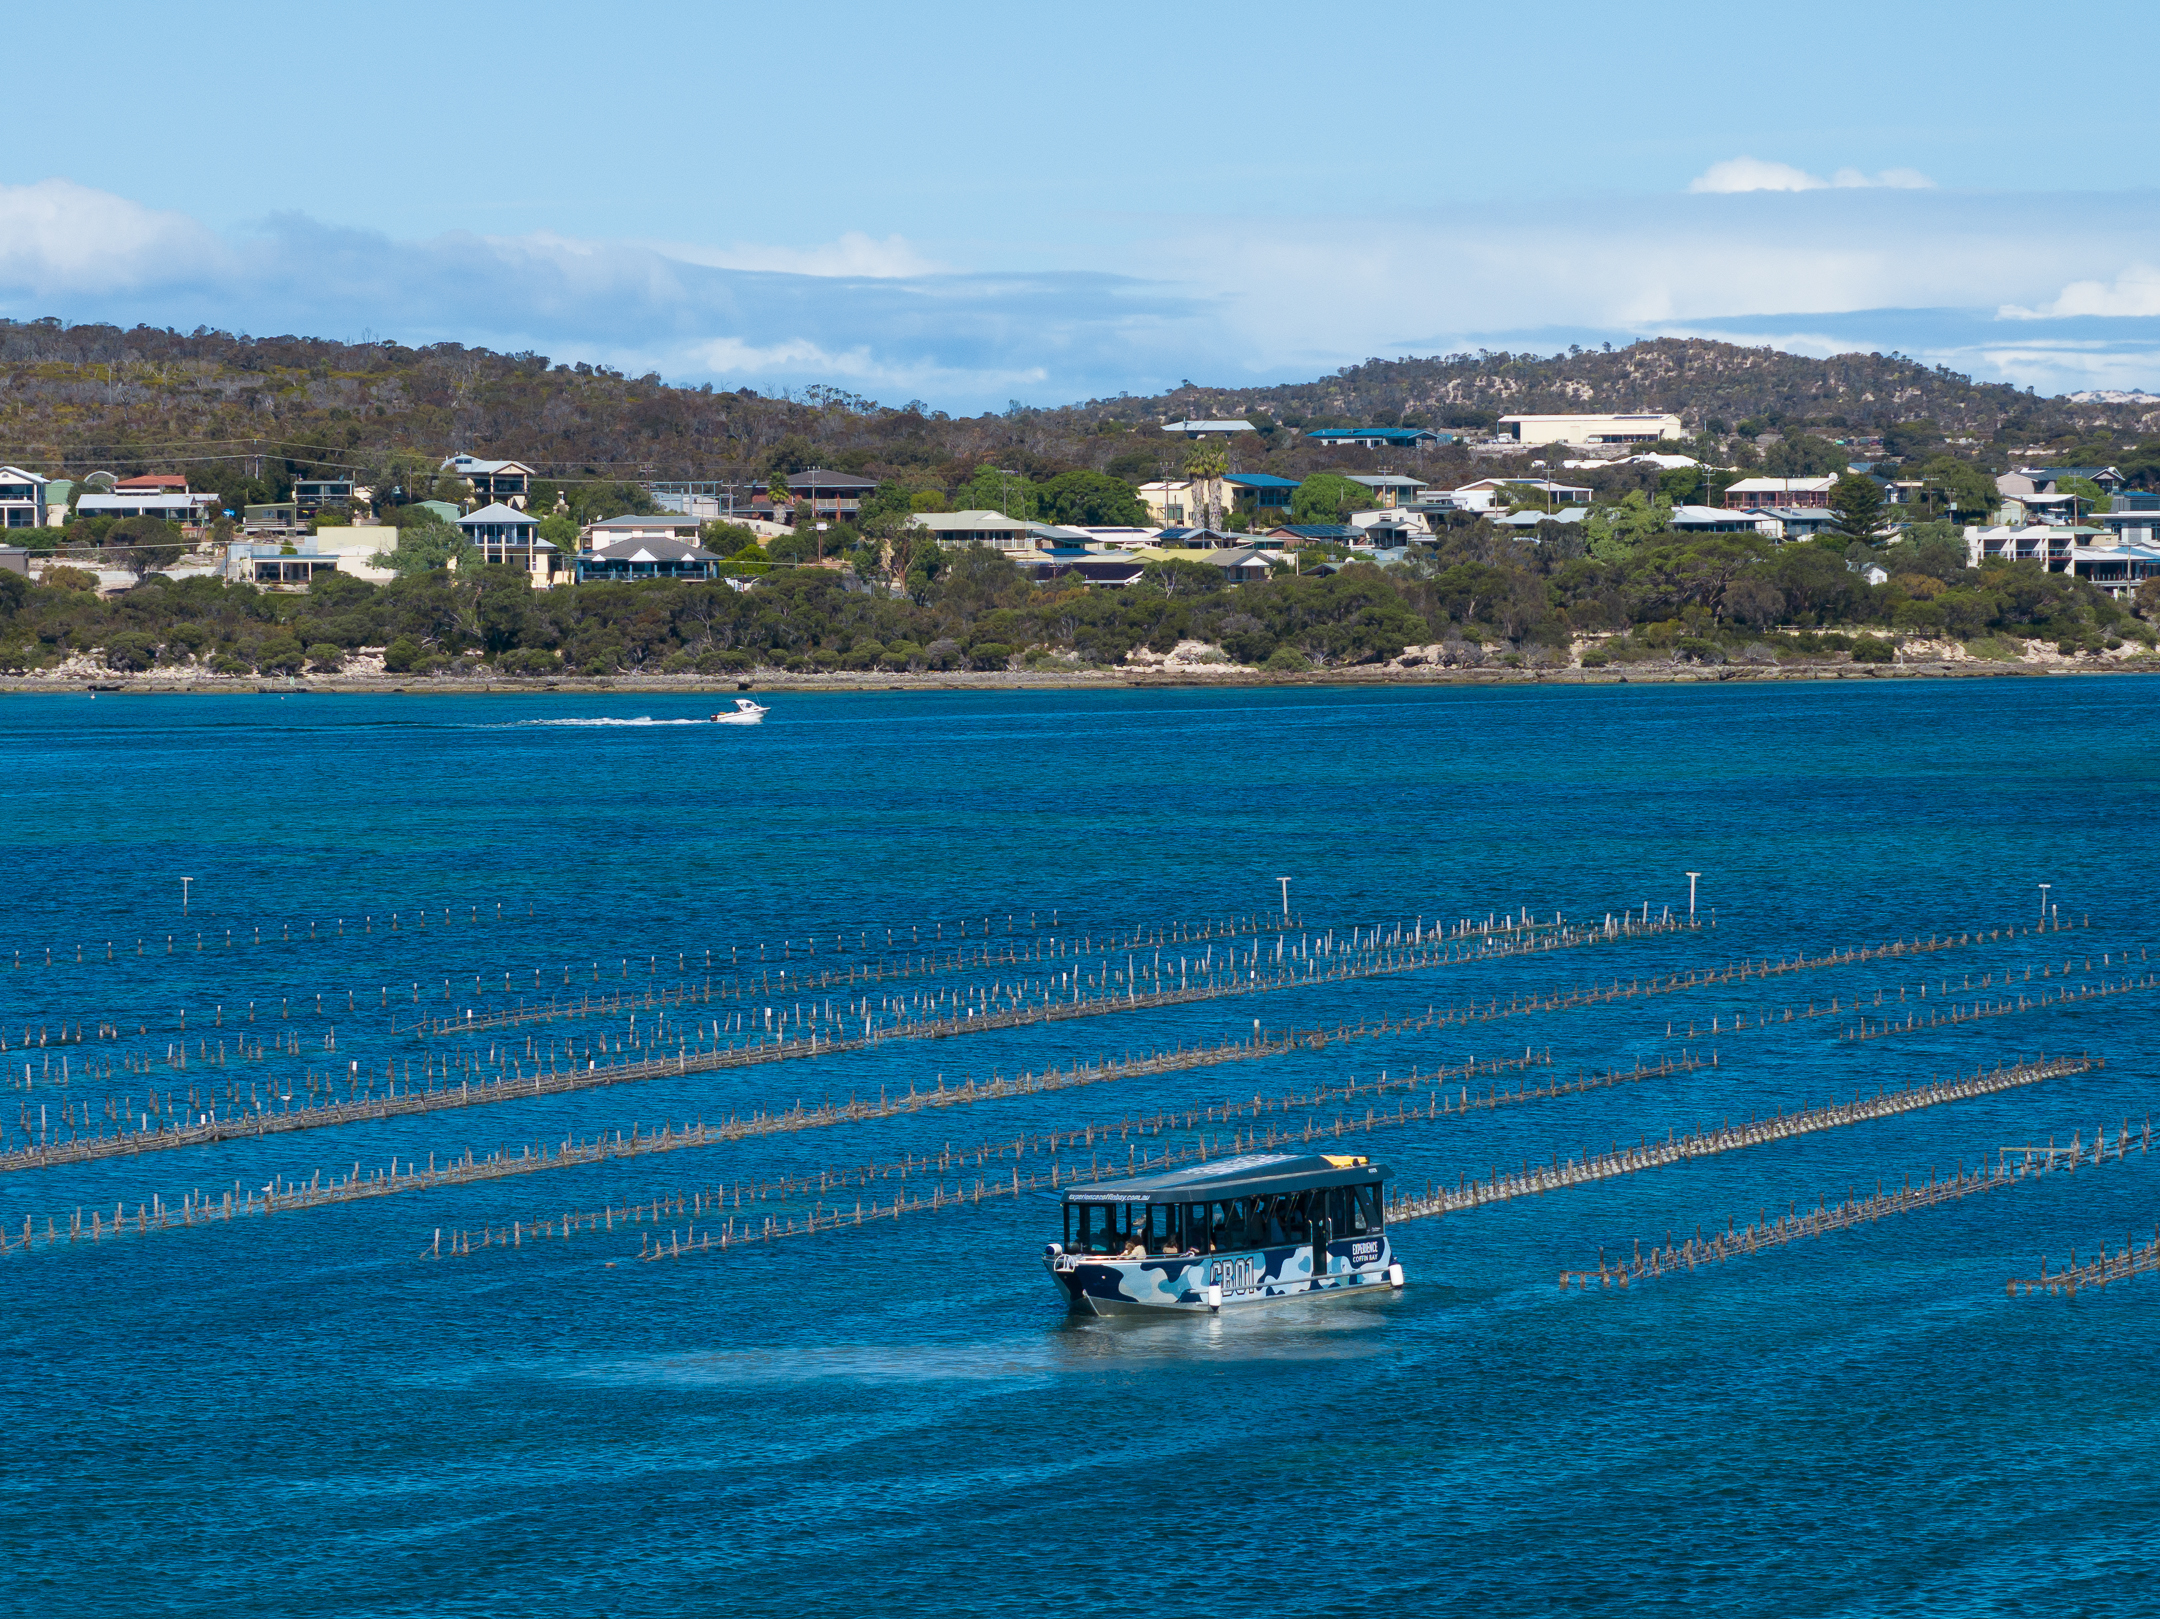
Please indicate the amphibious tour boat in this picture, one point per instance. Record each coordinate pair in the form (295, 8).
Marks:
(746, 713)
(1243, 1230)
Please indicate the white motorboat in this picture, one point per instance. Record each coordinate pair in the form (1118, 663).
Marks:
(746, 713)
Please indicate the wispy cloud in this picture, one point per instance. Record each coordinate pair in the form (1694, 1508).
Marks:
(1753, 174)
(873, 315)
(1230, 300)
(852, 254)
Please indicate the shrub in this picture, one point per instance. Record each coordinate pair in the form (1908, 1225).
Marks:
(724, 663)
(226, 664)
(991, 655)
(1596, 658)
(400, 655)
(325, 658)
(64, 578)
(1872, 649)
(280, 655)
(531, 660)
(130, 651)
(1287, 660)
(943, 653)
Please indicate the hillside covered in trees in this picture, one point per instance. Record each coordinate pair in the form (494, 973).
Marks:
(245, 415)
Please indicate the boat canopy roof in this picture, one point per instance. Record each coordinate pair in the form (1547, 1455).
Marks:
(1248, 1175)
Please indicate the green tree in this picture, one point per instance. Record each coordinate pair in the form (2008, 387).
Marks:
(1857, 501)
(2086, 496)
(424, 543)
(1090, 499)
(993, 491)
(1804, 455)
(1935, 549)
(560, 532)
(726, 539)
(1960, 488)
(145, 545)
(1327, 497)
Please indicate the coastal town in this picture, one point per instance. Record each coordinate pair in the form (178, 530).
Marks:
(1203, 545)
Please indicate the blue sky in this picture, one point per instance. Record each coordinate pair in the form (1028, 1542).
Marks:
(971, 204)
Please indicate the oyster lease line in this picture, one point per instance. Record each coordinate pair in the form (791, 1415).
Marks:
(560, 1081)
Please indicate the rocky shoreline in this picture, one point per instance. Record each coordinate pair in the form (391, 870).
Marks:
(167, 682)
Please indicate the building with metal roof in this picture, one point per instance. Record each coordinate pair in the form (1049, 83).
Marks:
(665, 526)
(1294, 535)
(1206, 429)
(1714, 520)
(994, 529)
(649, 556)
(831, 496)
(1633, 427)
(1263, 490)
(1751, 492)
(510, 538)
(1378, 438)
(509, 481)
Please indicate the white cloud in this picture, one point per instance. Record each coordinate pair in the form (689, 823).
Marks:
(1226, 300)
(58, 237)
(2136, 291)
(1737, 174)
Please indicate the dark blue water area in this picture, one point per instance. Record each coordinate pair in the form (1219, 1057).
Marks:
(305, 1415)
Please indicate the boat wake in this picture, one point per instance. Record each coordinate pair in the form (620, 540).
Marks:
(642, 719)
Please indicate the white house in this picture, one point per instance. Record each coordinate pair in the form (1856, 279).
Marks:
(994, 529)
(1483, 494)
(506, 481)
(2049, 544)
(507, 537)
(1208, 429)
(1711, 520)
(22, 499)
(1631, 428)
(1752, 492)
(173, 506)
(665, 526)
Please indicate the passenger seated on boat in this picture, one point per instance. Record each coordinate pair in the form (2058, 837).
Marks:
(1136, 1249)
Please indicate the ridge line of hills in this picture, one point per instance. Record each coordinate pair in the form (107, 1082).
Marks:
(75, 399)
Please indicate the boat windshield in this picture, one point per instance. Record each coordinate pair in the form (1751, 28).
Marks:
(1166, 1230)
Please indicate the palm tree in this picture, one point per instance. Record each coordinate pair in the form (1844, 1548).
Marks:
(1205, 464)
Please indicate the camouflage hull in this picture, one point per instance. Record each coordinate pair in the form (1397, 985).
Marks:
(1097, 1286)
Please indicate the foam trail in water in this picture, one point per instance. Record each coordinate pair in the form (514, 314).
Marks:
(642, 719)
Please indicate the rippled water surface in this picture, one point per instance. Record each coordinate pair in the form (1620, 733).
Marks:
(304, 1414)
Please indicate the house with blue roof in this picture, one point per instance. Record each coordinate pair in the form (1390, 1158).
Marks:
(1265, 492)
(1379, 438)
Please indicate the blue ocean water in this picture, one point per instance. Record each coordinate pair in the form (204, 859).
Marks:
(303, 1415)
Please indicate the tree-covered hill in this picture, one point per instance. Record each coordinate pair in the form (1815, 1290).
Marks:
(1706, 383)
(244, 415)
